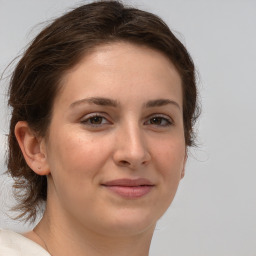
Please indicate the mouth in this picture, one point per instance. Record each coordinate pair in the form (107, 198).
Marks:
(129, 188)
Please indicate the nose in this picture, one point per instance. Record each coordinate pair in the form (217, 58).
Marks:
(131, 148)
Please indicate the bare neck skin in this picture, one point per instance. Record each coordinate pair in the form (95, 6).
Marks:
(63, 236)
(57, 242)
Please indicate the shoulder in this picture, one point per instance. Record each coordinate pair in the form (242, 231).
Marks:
(14, 244)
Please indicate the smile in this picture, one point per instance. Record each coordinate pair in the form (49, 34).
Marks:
(128, 188)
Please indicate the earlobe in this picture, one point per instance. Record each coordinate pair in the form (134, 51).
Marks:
(184, 164)
(182, 174)
(32, 147)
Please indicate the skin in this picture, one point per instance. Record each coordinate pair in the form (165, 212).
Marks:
(132, 138)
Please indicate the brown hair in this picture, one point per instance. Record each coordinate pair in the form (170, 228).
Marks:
(61, 45)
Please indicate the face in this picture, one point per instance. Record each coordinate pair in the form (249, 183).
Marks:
(115, 148)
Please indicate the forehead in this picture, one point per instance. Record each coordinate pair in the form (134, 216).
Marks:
(116, 67)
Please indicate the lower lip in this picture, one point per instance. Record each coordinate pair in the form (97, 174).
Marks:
(130, 192)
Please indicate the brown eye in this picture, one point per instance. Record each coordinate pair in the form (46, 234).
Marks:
(96, 120)
(156, 120)
(159, 121)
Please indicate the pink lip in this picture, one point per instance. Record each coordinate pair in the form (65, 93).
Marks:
(130, 188)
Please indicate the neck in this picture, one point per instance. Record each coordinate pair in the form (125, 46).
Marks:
(69, 238)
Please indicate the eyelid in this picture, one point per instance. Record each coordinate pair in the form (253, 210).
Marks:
(163, 116)
(87, 117)
(85, 120)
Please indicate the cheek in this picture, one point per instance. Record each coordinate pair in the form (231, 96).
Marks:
(77, 154)
(74, 162)
(170, 161)
(170, 151)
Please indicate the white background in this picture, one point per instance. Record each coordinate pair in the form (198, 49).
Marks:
(214, 212)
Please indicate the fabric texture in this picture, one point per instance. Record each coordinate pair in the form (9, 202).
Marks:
(14, 244)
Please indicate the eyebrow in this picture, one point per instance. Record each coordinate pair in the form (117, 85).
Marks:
(96, 101)
(161, 102)
(113, 103)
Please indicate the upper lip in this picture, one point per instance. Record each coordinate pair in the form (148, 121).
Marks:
(129, 182)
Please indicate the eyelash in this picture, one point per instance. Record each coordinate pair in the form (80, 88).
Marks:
(88, 120)
(158, 117)
(168, 121)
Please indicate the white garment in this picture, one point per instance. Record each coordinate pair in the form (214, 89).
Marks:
(14, 244)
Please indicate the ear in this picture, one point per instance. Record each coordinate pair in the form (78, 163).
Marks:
(184, 164)
(32, 147)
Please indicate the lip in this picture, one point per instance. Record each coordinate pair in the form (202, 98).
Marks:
(129, 188)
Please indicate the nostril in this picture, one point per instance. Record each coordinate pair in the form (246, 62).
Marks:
(144, 162)
(123, 162)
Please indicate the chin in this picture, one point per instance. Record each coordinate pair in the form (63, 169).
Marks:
(131, 222)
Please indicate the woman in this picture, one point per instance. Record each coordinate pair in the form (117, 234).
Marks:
(103, 106)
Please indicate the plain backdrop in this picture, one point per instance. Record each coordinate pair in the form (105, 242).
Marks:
(214, 212)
